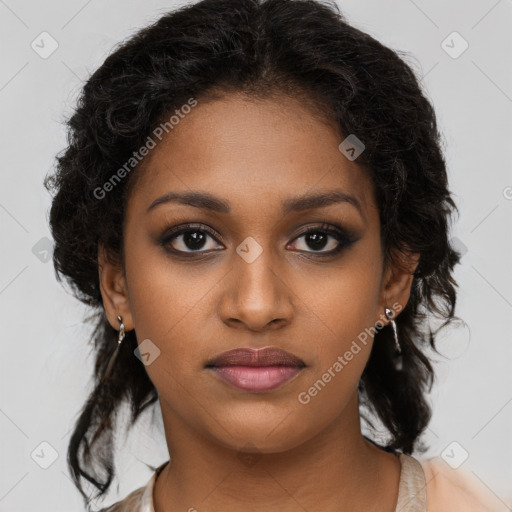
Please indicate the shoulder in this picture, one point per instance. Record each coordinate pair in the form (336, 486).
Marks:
(140, 500)
(456, 490)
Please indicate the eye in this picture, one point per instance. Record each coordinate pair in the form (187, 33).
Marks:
(325, 240)
(188, 239)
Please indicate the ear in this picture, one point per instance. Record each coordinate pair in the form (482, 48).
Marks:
(113, 290)
(396, 284)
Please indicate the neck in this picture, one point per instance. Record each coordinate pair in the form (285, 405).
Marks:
(337, 469)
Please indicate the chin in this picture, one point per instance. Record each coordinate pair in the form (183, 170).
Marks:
(269, 435)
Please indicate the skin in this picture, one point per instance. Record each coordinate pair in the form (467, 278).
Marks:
(254, 155)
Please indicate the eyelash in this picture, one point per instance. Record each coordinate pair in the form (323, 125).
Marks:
(342, 236)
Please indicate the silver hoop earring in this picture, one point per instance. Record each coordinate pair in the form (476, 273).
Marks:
(120, 338)
(121, 330)
(398, 351)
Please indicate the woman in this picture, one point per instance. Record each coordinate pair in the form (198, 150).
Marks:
(255, 202)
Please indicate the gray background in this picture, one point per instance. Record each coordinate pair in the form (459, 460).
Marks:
(46, 361)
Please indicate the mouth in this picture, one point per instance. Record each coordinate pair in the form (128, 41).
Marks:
(256, 370)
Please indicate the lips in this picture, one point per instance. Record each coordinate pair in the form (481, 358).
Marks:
(251, 357)
(256, 370)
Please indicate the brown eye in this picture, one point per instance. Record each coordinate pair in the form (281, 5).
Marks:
(318, 240)
(189, 239)
(325, 240)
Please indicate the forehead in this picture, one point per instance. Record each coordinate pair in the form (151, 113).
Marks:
(251, 150)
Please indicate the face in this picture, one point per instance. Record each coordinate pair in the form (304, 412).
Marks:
(262, 262)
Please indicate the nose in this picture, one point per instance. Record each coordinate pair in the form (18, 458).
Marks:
(256, 296)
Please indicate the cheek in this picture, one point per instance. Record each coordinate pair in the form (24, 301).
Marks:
(341, 313)
(342, 346)
(172, 307)
(340, 303)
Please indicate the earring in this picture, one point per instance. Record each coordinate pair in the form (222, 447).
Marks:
(121, 330)
(120, 338)
(398, 350)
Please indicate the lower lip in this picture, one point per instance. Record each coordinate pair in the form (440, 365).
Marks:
(256, 378)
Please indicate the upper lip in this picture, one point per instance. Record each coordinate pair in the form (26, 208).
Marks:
(268, 356)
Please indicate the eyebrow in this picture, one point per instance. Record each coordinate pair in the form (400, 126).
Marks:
(305, 202)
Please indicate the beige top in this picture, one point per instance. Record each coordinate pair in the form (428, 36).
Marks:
(426, 486)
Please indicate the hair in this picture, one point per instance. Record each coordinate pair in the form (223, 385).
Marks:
(300, 48)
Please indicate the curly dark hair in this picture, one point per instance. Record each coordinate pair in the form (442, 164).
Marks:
(262, 48)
